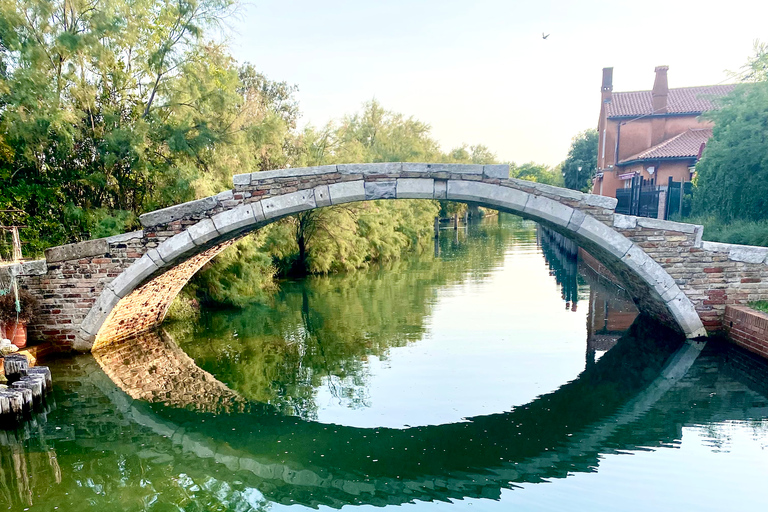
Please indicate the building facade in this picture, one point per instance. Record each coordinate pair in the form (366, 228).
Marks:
(655, 134)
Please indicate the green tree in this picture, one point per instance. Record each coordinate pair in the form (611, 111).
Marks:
(109, 108)
(580, 165)
(537, 172)
(732, 175)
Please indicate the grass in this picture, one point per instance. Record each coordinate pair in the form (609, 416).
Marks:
(760, 305)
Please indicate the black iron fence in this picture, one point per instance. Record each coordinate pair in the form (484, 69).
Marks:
(644, 198)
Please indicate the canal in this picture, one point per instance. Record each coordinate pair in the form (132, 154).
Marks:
(495, 372)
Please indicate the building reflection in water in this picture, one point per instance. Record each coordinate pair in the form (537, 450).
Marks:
(579, 275)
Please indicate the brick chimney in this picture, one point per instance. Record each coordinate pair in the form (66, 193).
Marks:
(607, 87)
(659, 102)
(660, 90)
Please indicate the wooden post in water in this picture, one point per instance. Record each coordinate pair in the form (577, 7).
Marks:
(456, 221)
(15, 366)
(437, 227)
(45, 372)
(35, 386)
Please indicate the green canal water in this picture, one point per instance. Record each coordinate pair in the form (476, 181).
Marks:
(493, 373)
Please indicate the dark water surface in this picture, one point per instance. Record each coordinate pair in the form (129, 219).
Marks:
(496, 374)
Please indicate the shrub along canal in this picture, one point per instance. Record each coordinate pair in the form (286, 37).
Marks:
(495, 373)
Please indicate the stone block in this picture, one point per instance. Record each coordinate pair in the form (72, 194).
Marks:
(77, 251)
(500, 171)
(152, 253)
(415, 188)
(666, 225)
(604, 236)
(748, 254)
(175, 247)
(241, 179)
(485, 194)
(257, 177)
(125, 237)
(258, 211)
(624, 221)
(203, 232)
(177, 212)
(286, 204)
(83, 341)
(322, 196)
(547, 209)
(99, 312)
(380, 190)
(441, 189)
(347, 191)
(686, 316)
(560, 192)
(377, 168)
(27, 268)
(609, 203)
(699, 235)
(235, 219)
(227, 195)
(133, 276)
(448, 168)
(576, 219)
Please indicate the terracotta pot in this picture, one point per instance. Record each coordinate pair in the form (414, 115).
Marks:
(17, 333)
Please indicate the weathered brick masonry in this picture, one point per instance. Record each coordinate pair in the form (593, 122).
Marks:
(747, 328)
(112, 288)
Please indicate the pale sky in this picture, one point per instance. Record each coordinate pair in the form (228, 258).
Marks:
(478, 71)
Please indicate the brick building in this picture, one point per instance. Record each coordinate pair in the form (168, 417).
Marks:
(654, 134)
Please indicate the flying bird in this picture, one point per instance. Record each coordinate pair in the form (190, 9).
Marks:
(543, 36)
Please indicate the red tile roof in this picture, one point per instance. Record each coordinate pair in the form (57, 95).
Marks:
(686, 145)
(684, 100)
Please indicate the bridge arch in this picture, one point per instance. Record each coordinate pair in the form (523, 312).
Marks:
(181, 239)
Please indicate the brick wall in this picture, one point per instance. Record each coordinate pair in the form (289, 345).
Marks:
(712, 275)
(747, 328)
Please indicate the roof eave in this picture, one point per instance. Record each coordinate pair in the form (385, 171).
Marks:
(656, 159)
(649, 116)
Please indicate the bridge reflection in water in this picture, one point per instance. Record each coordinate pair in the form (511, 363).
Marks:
(296, 461)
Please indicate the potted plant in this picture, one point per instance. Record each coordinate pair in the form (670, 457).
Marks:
(15, 322)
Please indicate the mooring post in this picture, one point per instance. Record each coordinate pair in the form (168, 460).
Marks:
(456, 221)
(15, 366)
(437, 227)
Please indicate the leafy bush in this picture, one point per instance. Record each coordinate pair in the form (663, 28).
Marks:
(743, 232)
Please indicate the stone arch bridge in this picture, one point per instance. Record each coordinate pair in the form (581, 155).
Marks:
(109, 289)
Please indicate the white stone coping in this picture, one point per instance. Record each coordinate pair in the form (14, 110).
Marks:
(179, 211)
(743, 253)
(735, 252)
(25, 268)
(500, 171)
